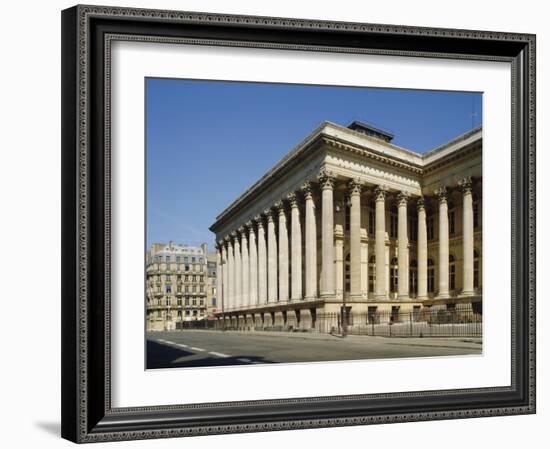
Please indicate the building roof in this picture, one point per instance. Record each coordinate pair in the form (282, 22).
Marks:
(370, 130)
(357, 138)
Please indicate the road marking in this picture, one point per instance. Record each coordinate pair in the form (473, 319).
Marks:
(169, 342)
(182, 345)
(244, 360)
(197, 349)
(219, 354)
(161, 340)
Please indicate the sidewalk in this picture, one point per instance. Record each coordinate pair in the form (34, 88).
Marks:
(440, 342)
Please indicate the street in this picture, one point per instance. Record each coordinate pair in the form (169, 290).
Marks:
(194, 348)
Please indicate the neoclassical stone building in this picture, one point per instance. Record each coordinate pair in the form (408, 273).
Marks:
(348, 218)
(177, 285)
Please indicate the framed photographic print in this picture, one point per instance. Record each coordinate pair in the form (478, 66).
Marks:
(283, 223)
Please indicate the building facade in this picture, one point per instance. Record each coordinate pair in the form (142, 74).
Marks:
(347, 219)
(177, 277)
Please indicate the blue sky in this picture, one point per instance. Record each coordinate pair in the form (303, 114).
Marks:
(207, 141)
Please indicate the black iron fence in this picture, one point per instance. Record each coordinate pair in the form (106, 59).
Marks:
(456, 322)
(419, 322)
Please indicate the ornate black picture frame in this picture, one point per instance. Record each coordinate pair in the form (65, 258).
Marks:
(87, 33)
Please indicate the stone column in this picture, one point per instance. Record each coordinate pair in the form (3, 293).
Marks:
(327, 179)
(364, 263)
(310, 243)
(244, 267)
(355, 238)
(296, 248)
(271, 258)
(441, 193)
(238, 269)
(224, 304)
(219, 276)
(465, 186)
(380, 243)
(230, 274)
(283, 252)
(262, 261)
(422, 247)
(252, 266)
(339, 260)
(402, 247)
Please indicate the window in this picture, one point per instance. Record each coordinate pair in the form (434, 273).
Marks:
(194, 302)
(476, 269)
(431, 276)
(187, 300)
(179, 302)
(202, 289)
(168, 288)
(347, 217)
(451, 214)
(187, 313)
(214, 302)
(179, 314)
(186, 289)
(167, 259)
(201, 302)
(193, 259)
(194, 278)
(372, 222)
(393, 222)
(201, 278)
(178, 258)
(413, 278)
(393, 275)
(452, 272)
(430, 227)
(372, 273)
(179, 288)
(159, 313)
(186, 267)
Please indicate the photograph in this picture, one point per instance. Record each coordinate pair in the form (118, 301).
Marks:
(299, 223)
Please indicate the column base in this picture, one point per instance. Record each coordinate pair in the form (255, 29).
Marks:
(403, 297)
(467, 293)
(381, 297)
(326, 295)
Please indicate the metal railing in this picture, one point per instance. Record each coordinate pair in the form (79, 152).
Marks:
(453, 322)
(456, 322)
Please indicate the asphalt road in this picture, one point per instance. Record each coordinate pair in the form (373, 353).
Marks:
(193, 348)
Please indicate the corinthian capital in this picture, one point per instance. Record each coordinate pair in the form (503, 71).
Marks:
(326, 178)
(380, 193)
(402, 198)
(292, 199)
(355, 186)
(307, 190)
(441, 194)
(259, 221)
(269, 215)
(420, 203)
(280, 207)
(465, 185)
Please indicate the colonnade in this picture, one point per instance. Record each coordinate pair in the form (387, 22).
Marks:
(258, 269)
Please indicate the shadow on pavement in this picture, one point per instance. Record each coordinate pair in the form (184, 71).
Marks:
(165, 356)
